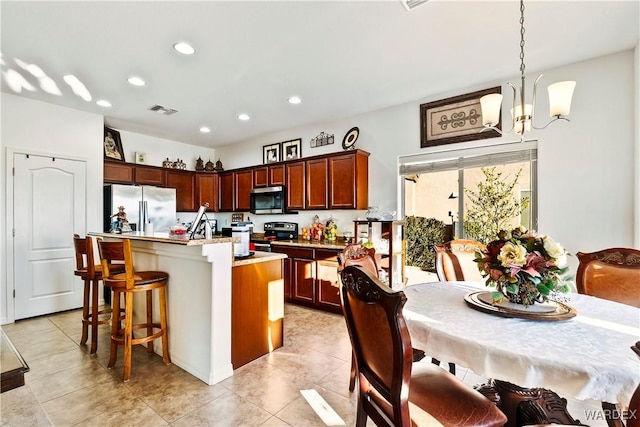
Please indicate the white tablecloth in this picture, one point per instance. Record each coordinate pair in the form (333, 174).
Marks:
(587, 357)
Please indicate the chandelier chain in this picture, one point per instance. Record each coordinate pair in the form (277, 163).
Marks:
(522, 38)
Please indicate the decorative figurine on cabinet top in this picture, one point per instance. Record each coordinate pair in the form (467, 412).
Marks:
(199, 164)
(209, 166)
(219, 167)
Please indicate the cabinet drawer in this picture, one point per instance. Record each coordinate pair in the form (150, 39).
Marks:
(306, 253)
(327, 255)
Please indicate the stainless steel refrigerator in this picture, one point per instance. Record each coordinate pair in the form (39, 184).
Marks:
(160, 205)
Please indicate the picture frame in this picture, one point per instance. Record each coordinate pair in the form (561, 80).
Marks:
(455, 119)
(141, 158)
(112, 145)
(292, 149)
(271, 153)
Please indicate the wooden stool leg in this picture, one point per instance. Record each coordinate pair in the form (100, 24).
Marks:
(353, 373)
(85, 314)
(115, 326)
(163, 324)
(149, 297)
(94, 316)
(128, 333)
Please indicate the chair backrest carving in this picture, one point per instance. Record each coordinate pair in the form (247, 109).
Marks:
(612, 274)
(356, 254)
(454, 261)
(381, 344)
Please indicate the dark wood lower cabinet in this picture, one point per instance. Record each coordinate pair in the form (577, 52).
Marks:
(256, 322)
(311, 277)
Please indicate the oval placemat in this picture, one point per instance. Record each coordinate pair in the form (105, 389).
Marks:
(561, 311)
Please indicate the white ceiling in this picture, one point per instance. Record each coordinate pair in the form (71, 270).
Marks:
(341, 57)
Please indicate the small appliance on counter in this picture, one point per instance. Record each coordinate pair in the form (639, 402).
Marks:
(243, 234)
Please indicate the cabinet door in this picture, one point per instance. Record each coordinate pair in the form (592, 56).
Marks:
(303, 272)
(295, 178)
(342, 182)
(243, 181)
(184, 183)
(149, 175)
(328, 284)
(317, 174)
(207, 191)
(260, 176)
(225, 192)
(276, 175)
(118, 172)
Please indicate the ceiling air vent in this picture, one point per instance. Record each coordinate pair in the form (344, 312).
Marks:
(412, 4)
(163, 110)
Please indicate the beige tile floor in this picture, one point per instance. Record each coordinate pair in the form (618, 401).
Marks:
(66, 386)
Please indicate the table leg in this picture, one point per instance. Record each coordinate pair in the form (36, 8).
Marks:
(528, 406)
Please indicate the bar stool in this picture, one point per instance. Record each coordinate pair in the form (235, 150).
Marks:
(127, 284)
(91, 274)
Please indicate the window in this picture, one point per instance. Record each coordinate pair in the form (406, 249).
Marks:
(437, 184)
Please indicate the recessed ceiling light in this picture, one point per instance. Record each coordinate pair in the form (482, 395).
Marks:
(103, 103)
(205, 129)
(136, 81)
(184, 48)
(294, 100)
(244, 117)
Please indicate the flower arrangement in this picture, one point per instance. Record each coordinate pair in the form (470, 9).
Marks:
(524, 267)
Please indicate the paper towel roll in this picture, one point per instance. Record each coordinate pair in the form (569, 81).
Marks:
(148, 229)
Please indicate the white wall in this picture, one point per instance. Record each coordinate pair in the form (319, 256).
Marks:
(41, 128)
(158, 149)
(587, 168)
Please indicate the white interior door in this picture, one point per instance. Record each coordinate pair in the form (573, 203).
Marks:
(49, 207)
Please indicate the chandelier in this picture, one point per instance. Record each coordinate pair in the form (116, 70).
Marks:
(522, 114)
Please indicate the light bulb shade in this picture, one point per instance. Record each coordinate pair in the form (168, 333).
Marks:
(522, 121)
(490, 105)
(560, 95)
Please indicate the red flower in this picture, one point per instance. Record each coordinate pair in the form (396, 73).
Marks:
(493, 248)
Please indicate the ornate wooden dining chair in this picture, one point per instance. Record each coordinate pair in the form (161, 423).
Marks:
(612, 274)
(454, 261)
(393, 390)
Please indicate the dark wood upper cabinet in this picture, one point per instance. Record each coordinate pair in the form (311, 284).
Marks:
(317, 174)
(118, 172)
(276, 175)
(207, 190)
(349, 181)
(149, 175)
(225, 191)
(243, 182)
(184, 183)
(260, 176)
(267, 176)
(295, 185)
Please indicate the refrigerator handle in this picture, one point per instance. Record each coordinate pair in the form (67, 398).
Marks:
(142, 216)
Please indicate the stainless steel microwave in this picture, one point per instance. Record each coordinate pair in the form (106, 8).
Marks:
(268, 200)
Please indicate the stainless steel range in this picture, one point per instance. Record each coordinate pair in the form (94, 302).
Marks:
(280, 231)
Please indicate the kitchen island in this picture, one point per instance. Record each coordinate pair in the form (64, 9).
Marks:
(199, 300)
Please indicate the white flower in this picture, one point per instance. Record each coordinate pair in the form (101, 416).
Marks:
(512, 254)
(554, 250)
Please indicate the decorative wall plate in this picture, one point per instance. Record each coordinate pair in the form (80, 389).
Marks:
(350, 138)
(477, 300)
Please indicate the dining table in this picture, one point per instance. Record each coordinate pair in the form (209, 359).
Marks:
(530, 360)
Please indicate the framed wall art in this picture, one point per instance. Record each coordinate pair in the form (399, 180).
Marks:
(455, 119)
(271, 153)
(292, 149)
(112, 145)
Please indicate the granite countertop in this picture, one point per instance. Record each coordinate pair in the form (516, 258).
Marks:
(163, 238)
(257, 257)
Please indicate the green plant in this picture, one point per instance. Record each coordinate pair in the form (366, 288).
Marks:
(493, 206)
(421, 234)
